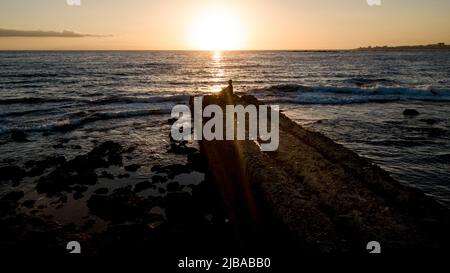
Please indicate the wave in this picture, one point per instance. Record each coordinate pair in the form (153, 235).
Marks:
(299, 94)
(102, 100)
(29, 100)
(73, 123)
(131, 99)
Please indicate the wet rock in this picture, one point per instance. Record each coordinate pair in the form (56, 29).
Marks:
(79, 188)
(13, 173)
(174, 186)
(142, 186)
(19, 136)
(106, 175)
(173, 170)
(58, 146)
(159, 179)
(101, 191)
(429, 121)
(156, 168)
(123, 175)
(179, 208)
(106, 148)
(171, 121)
(75, 147)
(63, 199)
(28, 203)
(181, 149)
(120, 206)
(123, 190)
(9, 202)
(40, 166)
(62, 178)
(115, 160)
(437, 132)
(13, 196)
(411, 112)
(132, 167)
(129, 150)
(78, 195)
(89, 223)
(80, 170)
(86, 162)
(86, 178)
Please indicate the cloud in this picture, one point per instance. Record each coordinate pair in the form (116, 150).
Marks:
(42, 33)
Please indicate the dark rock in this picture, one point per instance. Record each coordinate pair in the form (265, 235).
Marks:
(106, 148)
(124, 175)
(174, 186)
(89, 223)
(19, 136)
(7, 160)
(41, 166)
(63, 140)
(159, 179)
(13, 173)
(107, 175)
(86, 162)
(13, 196)
(28, 203)
(130, 149)
(75, 147)
(58, 146)
(78, 195)
(63, 199)
(436, 132)
(179, 208)
(101, 191)
(250, 99)
(86, 178)
(59, 206)
(410, 112)
(123, 190)
(132, 167)
(119, 207)
(56, 181)
(9, 202)
(156, 168)
(429, 121)
(79, 188)
(142, 186)
(173, 170)
(115, 160)
(161, 190)
(80, 170)
(181, 149)
(171, 121)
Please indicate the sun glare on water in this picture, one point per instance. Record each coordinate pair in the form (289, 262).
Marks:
(217, 30)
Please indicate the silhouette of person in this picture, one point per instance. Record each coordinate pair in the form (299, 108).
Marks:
(228, 91)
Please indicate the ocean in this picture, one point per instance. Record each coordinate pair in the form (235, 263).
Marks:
(68, 101)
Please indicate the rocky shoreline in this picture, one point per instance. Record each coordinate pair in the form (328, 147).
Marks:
(312, 195)
(124, 214)
(330, 199)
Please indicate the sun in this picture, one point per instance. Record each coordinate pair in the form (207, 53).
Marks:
(217, 30)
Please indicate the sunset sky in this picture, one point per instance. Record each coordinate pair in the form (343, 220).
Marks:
(220, 25)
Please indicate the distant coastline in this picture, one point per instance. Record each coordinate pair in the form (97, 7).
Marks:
(438, 46)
